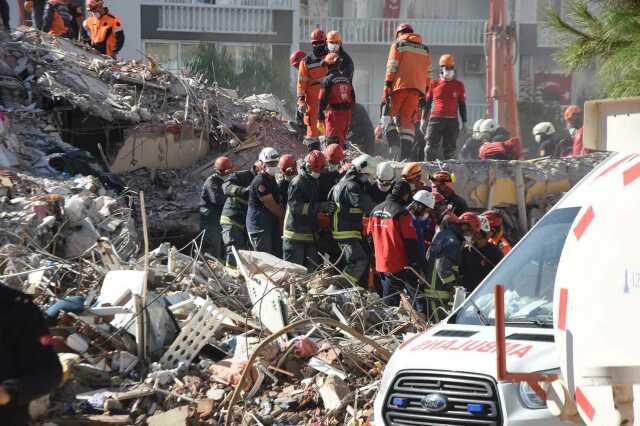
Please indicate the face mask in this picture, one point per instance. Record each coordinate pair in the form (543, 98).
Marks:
(320, 50)
(468, 239)
(333, 47)
(383, 188)
(272, 170)
(314, 175)
(448, 74)
(572, 131)
(538, 138)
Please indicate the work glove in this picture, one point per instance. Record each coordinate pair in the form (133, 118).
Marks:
(423, 126)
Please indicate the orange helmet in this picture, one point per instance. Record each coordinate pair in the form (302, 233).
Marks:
(28, 6)
(411, 172)
(223, 165)
(441, 176)
(318, 36)
(287, 164)
(447, 61)
(296, 57)
(334, 153)
(471, 219)
(571, 111)
(334, 37)
(331, 59)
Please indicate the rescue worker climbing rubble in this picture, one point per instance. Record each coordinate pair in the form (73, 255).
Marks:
(337, 99)
(212, 201)
(58, 19)
(406, 83)
(443, 183)
(104, 29)
(445, 99)
(300, 233)
(352, 204)
(395, 245)
(444, 258)
(311, 73)
(500, 146)
(334, 45)
(29, 366)
(234, 212)
(265, 213)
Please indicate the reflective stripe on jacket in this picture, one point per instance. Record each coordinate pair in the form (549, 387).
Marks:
(351, 205)
(409, 64)
(105, 32)
(302, 206)
(310, 76)
(234, 211)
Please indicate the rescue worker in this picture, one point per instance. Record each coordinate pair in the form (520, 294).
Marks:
(337, 99)
(334, 45)
(212, 200)
(234, 212)
(406, 83)
(444, 258)
(303, 205)
(395, 245)
(573, 117)
(496, 231)
(549, 144)
(471, 147)
(352, 204)
(443, 183)
(332, 173)
(385, 178)
(478, 257)
(105, 31)
(265, 213)
(288, 170)
(311, 73)
(58, 20)
(412, 174)
(29, 367)
(295, 59)
(422, 210)
(445, 99)
(510, 149)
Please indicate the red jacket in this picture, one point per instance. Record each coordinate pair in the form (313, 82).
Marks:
(577, 143)
(394, 236)
(445, 97)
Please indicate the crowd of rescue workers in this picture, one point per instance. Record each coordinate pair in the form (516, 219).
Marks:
(390, 234)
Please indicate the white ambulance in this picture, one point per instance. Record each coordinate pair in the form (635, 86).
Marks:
(447, 375)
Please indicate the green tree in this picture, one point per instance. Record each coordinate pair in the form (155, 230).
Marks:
(605, 33)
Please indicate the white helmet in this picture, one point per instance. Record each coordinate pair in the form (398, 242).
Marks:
(488, 126)
(543, 129)
(269, 155)
(385, 172)
(485, 226)
(476, 127)
(365, 164)
(425, 198)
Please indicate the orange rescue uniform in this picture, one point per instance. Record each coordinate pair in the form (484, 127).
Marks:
(106, 33)
(310, 76)
(408, 70)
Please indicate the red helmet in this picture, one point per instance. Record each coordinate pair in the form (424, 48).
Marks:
(494, 217)
(223, 165)
(471, 219)
(95, 5)
(287, 164)
(571, 111)
(442, 176)
(296, 57)
(318, 36)
(404, 27)
(334, 153)
(315, 161)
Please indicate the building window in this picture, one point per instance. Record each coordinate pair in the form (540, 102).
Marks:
(240, 52)
(172, 55)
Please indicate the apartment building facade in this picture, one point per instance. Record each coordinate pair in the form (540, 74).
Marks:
(173, 30)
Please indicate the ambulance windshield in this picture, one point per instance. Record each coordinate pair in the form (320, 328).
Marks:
(528, 275)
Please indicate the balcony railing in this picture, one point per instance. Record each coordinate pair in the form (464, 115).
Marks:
(215, 19)
(547, 37)
(264, 4)
(435, 32)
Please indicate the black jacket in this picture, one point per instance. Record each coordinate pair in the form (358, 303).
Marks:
(347, 63)
(459, 204)
(212, 196)
(326, 182)
(29, 367)
(303, 204)
(236, 189)
(352, 204)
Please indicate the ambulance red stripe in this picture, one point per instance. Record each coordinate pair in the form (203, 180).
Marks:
(585, 405)
(584, 223)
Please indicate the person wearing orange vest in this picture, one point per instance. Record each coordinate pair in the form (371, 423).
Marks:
(105, 31)
(58, 20)
(311, 73)
(406, 83)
